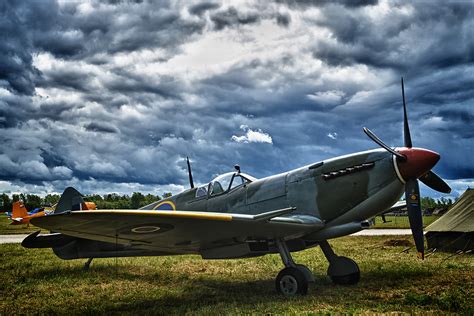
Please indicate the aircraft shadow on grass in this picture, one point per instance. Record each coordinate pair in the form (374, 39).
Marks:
(194, 287)
(206, 291)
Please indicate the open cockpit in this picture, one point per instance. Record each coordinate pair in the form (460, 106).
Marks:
(224, 183)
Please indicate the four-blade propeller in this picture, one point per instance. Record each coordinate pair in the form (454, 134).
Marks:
(414, 164)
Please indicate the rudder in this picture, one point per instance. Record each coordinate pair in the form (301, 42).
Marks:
(19, 210)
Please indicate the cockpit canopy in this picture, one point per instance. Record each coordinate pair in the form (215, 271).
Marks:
(223, 183)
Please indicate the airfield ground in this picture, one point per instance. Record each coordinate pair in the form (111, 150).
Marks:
(400, 221)
(35, 281)
(7, 229)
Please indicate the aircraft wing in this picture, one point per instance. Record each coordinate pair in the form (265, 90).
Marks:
(178, 231)
(397, 206)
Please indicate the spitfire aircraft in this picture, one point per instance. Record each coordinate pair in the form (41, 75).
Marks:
(238, 216)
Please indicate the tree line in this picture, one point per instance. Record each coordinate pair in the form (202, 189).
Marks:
(137, 200)
(428, 203)
(107, 201)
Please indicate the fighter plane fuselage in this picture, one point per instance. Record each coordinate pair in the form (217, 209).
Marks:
(342, 190)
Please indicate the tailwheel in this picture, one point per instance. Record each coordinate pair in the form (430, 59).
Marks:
(87, 265)
(291, 281)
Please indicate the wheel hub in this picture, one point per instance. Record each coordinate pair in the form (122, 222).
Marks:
(288, 285)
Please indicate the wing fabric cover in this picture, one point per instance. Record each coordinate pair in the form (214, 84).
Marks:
(177, 231)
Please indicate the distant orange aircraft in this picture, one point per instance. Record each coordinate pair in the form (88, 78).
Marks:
(21, 216)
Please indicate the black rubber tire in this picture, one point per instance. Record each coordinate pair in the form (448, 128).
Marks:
(291, 281)
(344, 271)
(348, 279)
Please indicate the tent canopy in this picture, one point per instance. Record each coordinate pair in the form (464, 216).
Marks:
(460, 218)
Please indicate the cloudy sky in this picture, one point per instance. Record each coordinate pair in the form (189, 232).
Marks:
(111, 96)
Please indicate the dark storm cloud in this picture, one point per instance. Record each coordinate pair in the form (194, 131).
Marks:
(226, 90)
(200, 8)
(127, 89)
(14, 109)
(402, 42)
(24, 160)
(54, 110)
(231, 17)
(150, 30)
(102, 127)
(452, 89)
(67, 33)
(60, 44)
(116, 2)
(126, 82)
(75, 79)
(451, 122)
(16, 67)
(458, 116)
(283, 19)
(318, 3)
(59, 150)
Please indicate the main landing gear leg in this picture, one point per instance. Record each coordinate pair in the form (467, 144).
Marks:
(294, 278)
(87, 264)
(341, 270)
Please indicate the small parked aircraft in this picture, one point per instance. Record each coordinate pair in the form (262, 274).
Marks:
(19, 214)
(16, 208)
(237, 216)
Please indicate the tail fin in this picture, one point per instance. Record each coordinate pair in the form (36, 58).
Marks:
(70, 200)
(19, 210)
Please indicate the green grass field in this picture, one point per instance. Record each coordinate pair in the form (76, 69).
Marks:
(35, 281)
(400, 221)
(7, 229)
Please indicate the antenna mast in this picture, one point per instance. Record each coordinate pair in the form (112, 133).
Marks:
(191, 183)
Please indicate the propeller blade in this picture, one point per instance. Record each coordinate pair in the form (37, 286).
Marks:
(382, 144)
(406, 128)
(412, 196)
(432, 180)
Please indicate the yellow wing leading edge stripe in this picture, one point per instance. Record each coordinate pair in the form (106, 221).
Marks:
(176, 214)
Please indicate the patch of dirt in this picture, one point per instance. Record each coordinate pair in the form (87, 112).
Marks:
(397, 243)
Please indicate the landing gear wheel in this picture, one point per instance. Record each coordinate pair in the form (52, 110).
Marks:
(348, 279)
(306, 272)
(344, 271)
(291, 281)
